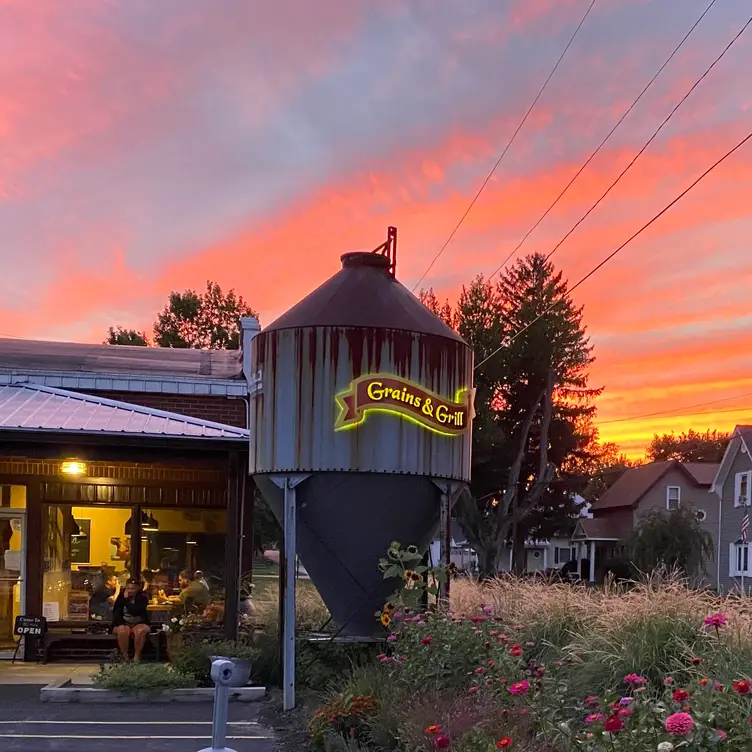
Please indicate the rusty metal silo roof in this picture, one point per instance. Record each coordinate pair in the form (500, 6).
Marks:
(364, 294)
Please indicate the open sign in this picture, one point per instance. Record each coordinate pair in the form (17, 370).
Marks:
(30, 626)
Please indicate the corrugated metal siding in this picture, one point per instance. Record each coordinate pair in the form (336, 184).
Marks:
(302, 371)
(26, 407)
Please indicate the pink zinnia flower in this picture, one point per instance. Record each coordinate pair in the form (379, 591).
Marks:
(592, 701)
(716, 620)
(722, 734)
(634, 679)
(520, 688)
(391, 638)
(593, 717)
(679, 724)
(742, 686)
(442, 742)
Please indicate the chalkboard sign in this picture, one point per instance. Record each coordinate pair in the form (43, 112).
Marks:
(33, 626)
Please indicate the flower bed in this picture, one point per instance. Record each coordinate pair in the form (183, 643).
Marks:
(552, 668)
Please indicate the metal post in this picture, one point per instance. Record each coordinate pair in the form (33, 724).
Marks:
(592, 561)
(445, 541)
(288, 644)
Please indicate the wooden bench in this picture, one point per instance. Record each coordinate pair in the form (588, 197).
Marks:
(80, 638)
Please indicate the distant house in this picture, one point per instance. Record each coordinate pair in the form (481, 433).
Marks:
(732, 490)
(640, 490)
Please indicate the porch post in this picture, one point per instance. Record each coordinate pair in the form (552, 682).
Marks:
(545, 556)
(232, 552)
(592, 561)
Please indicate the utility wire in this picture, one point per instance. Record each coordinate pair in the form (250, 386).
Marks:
(681, 413)
(624, 244)
(651, 139)
(506, 148)
(603, 143)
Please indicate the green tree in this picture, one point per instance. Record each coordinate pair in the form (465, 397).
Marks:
(210, 320)
(688, 446)
(120, 336)
(533, 405)
(675, 540)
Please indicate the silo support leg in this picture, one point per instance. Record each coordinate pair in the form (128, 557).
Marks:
(445, 538)
(288, 645)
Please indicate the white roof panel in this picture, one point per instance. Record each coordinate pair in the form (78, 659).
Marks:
(32, 407)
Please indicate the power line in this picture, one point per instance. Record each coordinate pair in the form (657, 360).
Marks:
(651, 139)
(603, 143)
(624, 244)
(680, 410)
(506, 148)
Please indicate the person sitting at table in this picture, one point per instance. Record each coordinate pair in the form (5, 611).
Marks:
(103, 596)
(194, 596)
(130, 618)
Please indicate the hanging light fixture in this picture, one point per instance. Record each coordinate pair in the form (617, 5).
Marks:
(191, 541)
(148, 523)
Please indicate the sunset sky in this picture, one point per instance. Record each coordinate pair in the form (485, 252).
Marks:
(148, 146)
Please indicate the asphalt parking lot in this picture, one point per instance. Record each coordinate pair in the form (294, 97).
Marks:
(28, 725)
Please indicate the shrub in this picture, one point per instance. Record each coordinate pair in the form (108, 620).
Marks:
(141, 678)
(344, 716)
(193, 657)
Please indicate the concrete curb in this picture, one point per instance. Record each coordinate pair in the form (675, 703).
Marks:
(64, 691)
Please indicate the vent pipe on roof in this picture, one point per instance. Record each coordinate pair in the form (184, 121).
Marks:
(250, 327)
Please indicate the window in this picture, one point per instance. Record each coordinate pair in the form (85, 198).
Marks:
(673, 497)
(87, 559)
(563, 555)
(742, 485)
(739, 560)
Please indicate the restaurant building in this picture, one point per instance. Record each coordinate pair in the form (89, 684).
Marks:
(118, 461)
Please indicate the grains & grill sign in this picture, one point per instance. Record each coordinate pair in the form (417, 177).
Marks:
(392, 394)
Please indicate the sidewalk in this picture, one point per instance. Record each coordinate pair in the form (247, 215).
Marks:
(43, 674)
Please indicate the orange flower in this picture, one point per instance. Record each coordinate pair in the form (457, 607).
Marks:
(433, 729)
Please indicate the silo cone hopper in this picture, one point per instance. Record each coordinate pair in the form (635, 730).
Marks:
(345, 524)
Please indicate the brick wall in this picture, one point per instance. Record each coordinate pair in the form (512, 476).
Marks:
(228, 410)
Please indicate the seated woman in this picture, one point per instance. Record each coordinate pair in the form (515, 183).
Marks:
(130, 618)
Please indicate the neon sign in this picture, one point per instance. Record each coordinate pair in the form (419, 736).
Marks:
(395, 395)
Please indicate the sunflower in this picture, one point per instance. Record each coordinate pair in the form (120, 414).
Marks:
(388, 608)
(386, 620)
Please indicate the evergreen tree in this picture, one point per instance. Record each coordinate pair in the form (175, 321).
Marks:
(533, 406)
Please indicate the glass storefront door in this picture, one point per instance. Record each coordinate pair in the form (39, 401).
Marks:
(12, 579)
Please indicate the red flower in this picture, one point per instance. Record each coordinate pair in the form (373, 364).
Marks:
(515, 650)
(442, 742)
(613, 723)
(634, 679)
(680, 695)
(433, 729)
(592, 701)
(625, 712)
(742, 687)
(696, 661)
(427, 640)
(504, 743)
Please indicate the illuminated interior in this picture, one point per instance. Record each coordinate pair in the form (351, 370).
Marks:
(89, 554)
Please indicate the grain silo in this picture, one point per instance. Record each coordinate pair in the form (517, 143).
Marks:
(361, 418)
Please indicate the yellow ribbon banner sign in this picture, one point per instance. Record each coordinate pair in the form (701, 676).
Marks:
(392, 394)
